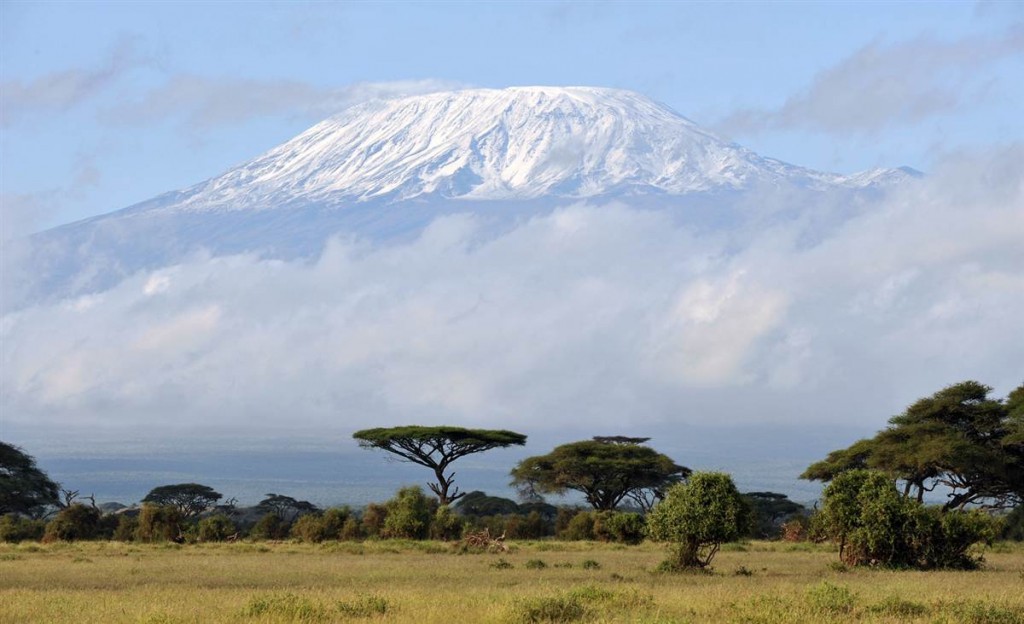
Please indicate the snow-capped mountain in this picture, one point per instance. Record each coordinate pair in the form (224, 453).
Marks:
(491, 144)
(386, 168)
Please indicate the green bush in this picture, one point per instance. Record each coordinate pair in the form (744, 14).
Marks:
(216, 528)
(126, 528)
(698, 516)
(352, 529)
(409, 515)
(75, 522)
(308, 528)
(15, 528)
(159, 523)
(875, 525)
(828, 599)
(580, 527)
(269, 527)
(446, 525)
(333, 522)
(618, 526)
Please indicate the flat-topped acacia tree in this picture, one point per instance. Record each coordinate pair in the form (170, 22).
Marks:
(436, 448)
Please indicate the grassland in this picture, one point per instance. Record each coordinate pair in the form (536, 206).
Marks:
(536, 582)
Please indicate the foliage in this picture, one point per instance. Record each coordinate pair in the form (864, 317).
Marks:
(373, 520)
(959, 438)
(580, 527)
(127, 526)
(770, 512)
(216, 528)
(15, 528)
(1013, 525)
(698, 517)
(24, 488)
(191, 499)
(269, 527)
(478, 503)
(619, 526)
(334, 524)
(605, 472)
(285, 507)
(446, 525)
(436, 448)
(409, 515)
(76, 522)
(828, 599)
(159, 523)
(874, 524)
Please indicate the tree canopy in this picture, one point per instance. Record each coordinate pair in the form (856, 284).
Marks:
(285, 507)
(24, 488)
(959, 438)
(698, 517)
(191, 499)
(605, 472)
(436, 448)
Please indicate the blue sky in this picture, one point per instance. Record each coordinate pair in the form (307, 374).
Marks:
(107, 104)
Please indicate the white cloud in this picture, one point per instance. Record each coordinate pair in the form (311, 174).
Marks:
(590, 318)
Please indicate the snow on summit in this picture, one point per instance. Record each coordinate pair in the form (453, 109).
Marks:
(487, 144)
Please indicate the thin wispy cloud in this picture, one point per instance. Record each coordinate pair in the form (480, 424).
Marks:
(888, 84)
(202, 102)
(60, 91)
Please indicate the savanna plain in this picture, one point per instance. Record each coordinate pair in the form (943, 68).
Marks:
(538, 581)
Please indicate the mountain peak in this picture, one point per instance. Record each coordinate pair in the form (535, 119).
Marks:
(496, 144)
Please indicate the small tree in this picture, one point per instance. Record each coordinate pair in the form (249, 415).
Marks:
(24, 488)
(436, 448)
(285, 507)
(698, 517)
(191, 499)
(605, 470)
(216, 528)
(159, 523)
(409, 514)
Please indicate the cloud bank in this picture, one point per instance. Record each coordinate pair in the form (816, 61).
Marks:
(591, 318)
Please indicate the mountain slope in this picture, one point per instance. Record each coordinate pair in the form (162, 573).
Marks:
(384, 169)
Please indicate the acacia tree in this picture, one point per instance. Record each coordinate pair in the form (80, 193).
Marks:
(285, 507)
(605, 470)
(436, 448)
(958, 438)
(191, 499)
(24, 488)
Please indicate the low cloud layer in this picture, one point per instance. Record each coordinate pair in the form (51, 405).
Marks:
(593, 318)
(882, 85)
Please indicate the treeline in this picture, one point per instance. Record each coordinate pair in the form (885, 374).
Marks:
(960, 441)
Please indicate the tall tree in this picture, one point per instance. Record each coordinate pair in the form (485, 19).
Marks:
(605, 470)
(285, 507)
(436, 448)
(24, 488)
(191, 499)
(959, 438)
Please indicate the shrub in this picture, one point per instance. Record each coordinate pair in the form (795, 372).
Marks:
(897, 607)
(580, 527)
(351, 530)
(126, 528)
(446, 525)
(550, 609)
(409, 515)
(333, 522)
(828, 599)
(75, 522)
(698, 517)
(364, 606)
(14, 529)
(216, 528)
(158, 523)
(618, 526)
(269, 527)
(308, 528)
(535, 564)
(373, 520)
(874, 524)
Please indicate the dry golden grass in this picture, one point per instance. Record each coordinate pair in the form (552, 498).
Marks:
(429, 582)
